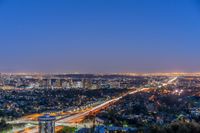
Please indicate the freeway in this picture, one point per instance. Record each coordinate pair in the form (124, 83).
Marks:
(78, 117)
(170, 81)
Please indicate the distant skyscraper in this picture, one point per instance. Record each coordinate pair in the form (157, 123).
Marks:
(46, 124)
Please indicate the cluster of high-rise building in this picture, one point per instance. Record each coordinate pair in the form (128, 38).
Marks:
(69, 81)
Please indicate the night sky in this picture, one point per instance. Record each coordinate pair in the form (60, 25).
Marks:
(91, 36)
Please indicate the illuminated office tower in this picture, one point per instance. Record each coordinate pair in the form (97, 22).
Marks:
(46, 124)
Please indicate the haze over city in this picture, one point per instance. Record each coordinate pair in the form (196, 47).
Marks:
(99, 36)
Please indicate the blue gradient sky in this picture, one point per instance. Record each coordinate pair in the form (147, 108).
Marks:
(99, 35)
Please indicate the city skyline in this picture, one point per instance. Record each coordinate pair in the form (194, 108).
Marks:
(99, 36)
